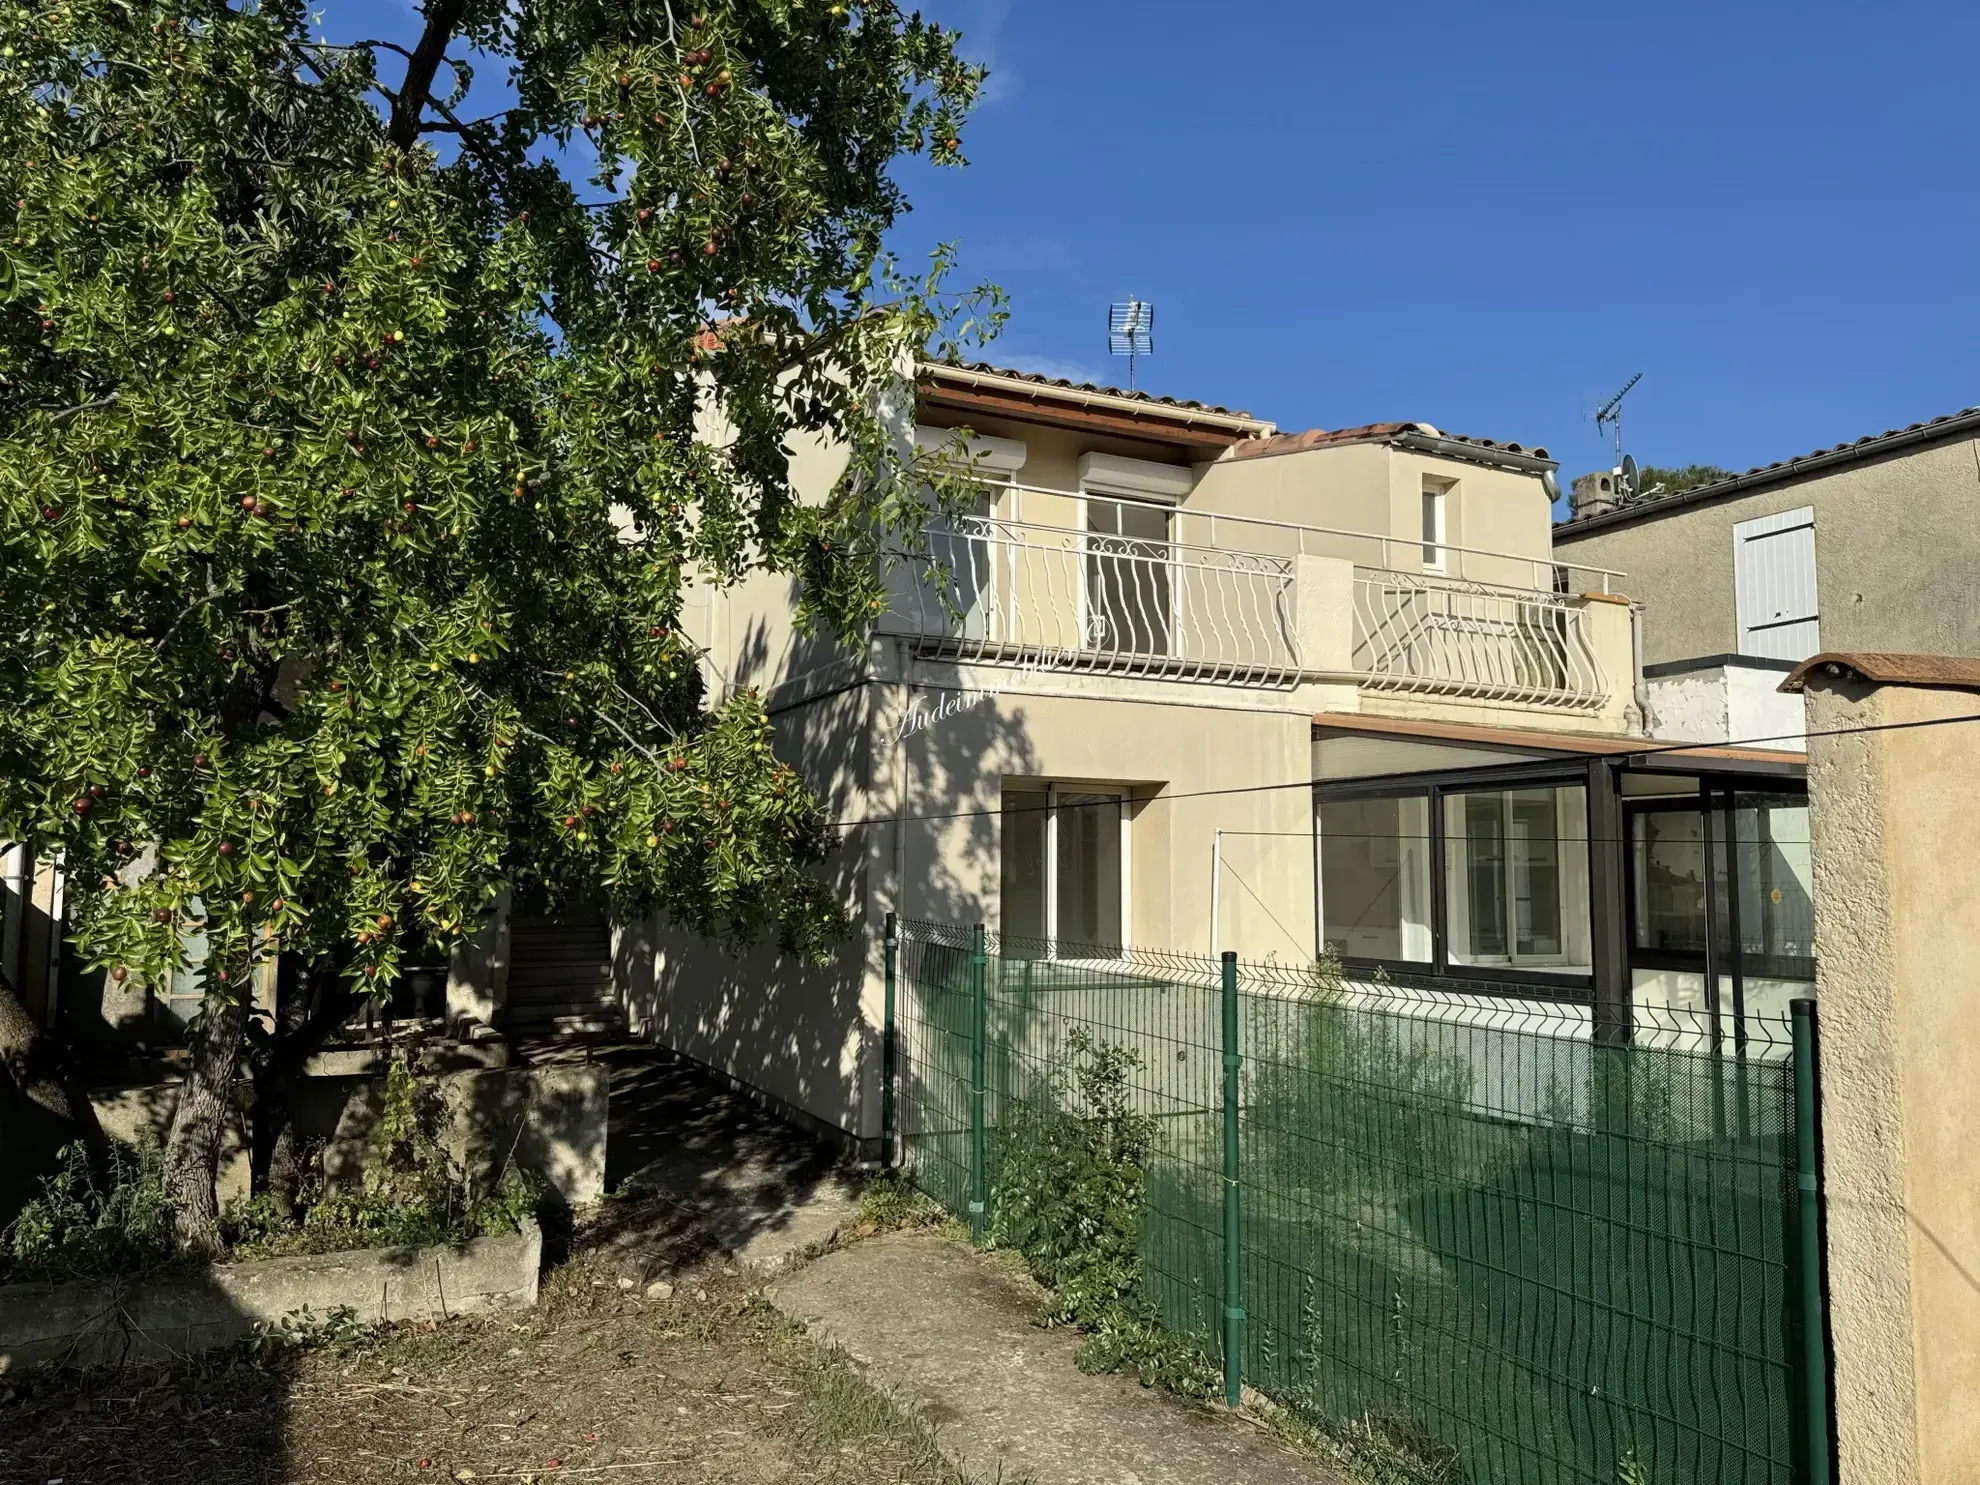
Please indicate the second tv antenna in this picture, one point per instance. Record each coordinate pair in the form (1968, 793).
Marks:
(1131, 332)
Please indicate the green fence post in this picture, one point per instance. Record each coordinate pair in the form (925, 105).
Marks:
(1233, 1309)
(978, 975)
(887, 1151)
(1808, 1180)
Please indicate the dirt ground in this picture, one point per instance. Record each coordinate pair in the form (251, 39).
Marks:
(599, 1383)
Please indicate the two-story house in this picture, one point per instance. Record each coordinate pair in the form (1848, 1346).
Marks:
(1188, 682)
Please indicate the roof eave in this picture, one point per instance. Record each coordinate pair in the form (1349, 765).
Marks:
(1471, 453)
(975, 390)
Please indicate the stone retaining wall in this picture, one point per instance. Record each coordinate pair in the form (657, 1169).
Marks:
(96, 1322)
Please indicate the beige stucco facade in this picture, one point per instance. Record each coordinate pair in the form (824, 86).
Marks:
(1894, 548)
(913, 747)
(1897, 878)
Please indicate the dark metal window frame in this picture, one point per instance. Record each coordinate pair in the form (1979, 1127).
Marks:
(1715, 801)
(1439, 973)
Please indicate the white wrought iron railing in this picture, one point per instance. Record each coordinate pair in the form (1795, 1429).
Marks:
(1458, 638)
(1050, 598)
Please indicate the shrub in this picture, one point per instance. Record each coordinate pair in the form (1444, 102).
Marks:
(413, 1193)
(1072, 1185)
(90, 1221)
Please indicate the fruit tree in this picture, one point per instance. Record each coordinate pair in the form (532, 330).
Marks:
(356, 444)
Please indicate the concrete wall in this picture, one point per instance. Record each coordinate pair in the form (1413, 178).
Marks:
(107, 1322)
(1897, 939)
(809, 1036)
(1894, 558)
(1724, 703)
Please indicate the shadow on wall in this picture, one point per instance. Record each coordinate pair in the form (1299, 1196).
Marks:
(808, 1036)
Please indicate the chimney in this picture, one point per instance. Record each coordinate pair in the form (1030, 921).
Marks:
(1593, 494)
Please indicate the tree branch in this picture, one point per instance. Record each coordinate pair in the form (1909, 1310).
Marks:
(442, 18)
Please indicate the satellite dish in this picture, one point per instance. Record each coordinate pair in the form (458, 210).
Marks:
(1627, 475)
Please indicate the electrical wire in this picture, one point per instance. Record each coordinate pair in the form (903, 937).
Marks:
(1644, 752)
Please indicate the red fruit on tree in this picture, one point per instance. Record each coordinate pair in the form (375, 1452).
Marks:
(82, 806)
(248, 502)
(652, 265)
(226, 848)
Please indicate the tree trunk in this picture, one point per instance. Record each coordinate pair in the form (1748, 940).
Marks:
(43, 1070)
(310, 1006)
(199, 1125)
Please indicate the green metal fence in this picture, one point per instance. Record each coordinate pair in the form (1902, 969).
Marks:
(1454, 1222)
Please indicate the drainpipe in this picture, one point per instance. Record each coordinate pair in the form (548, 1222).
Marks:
(1641, 686)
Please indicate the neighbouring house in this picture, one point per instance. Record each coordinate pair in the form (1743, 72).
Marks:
(1756, 572)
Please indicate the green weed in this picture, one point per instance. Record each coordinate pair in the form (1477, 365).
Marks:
(90, 1221)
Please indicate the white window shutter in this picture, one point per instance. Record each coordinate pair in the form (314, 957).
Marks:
(1774, 585)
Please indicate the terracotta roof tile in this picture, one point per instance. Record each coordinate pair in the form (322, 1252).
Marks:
(1321, 438)
(1885, 668)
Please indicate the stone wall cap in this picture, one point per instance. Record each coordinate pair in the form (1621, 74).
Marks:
(1944, 672)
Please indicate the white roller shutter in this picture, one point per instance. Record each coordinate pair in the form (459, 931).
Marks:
(1774, 585)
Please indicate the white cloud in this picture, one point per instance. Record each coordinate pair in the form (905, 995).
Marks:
(981, 23)
(1021, 255)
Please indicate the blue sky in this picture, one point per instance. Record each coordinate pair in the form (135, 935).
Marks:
(1485, 217)
(1488, 216)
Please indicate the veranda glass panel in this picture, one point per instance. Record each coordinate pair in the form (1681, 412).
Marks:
(1375, 878)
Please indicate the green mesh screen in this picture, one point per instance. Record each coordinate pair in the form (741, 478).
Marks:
(1472, 1236)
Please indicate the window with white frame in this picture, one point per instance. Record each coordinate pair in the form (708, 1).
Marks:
(1436, 497)
(1516, 863)
(1064, 876)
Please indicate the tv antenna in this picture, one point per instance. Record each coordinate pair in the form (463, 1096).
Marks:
(1610, 412)
(1131, 332)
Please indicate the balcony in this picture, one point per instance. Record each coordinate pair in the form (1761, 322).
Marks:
(1293, 607)
(1450, 637)
(1049, 598)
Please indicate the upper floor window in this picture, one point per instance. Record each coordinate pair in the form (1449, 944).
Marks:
(1436, 495)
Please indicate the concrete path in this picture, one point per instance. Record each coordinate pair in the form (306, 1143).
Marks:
(953, 1332)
